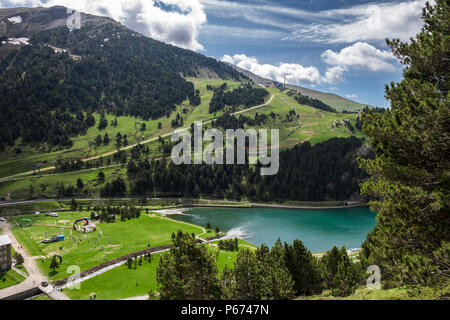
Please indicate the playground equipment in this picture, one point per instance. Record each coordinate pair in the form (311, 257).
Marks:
(54, 239)
(88, 225)
(60, 258)
(28, 222)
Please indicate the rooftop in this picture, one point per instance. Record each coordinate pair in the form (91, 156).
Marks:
(4, 240)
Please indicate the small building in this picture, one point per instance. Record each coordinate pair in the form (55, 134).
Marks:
(5, 253)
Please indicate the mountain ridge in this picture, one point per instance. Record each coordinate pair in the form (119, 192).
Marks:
(334, 100)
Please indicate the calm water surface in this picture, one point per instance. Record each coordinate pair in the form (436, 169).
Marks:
(318, 229)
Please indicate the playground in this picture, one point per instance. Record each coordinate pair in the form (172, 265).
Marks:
(89, 249)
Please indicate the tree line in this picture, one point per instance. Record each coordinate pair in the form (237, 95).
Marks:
(246, 95)
(326, 171)
(189, 272)
(315, 103)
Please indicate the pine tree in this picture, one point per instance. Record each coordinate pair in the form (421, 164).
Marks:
(329, 266)
(248, 277)
(73, 205)
(188, 271)
(80, 184)
(98, 140)
(347, 276)
(303, 268)
(106, 139)
(54, 263)
(409, 178)
(277, 281)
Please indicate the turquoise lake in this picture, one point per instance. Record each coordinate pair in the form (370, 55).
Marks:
(319, 230)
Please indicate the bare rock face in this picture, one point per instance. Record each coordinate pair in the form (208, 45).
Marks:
(23, 22)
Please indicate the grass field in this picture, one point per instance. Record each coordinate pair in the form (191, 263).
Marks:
(10, 278)
(42, 297)
(401, 293)
(20, 188)
(116, 239)
(335, 101)
(122, 282)
(119, 283)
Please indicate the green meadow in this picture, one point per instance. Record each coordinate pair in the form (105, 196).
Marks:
(111, 240)
(10, 278)
(123, 282)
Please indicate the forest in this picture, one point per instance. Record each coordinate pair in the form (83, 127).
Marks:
(45, 94)
(326, 171)
(245, 95)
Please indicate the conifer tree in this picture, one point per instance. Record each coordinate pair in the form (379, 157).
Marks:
(410, 177)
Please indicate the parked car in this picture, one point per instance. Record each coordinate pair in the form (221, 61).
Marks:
(2, 219)
(37, 212)
(52, 214)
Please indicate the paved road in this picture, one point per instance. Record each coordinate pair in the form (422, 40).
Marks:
(35, 277)
(4, 179)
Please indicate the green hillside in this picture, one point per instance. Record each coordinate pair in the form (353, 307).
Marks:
(297, 124)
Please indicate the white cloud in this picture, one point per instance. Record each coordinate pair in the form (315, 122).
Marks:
(334, 75)
(223, 34)
(371, 22)
(360, 55)
(173, 21)
(295, 73)
(351, 96)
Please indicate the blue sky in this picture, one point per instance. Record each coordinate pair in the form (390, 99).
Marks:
(330, 45)
(300, 32)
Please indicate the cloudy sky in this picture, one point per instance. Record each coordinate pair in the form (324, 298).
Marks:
(330, 45)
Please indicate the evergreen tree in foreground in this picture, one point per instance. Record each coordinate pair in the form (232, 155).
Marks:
(410, 177)
(303, 267)
(188, 271)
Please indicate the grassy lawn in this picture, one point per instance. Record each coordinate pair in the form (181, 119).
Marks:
(116, 239)
(10, 278)
(119, 283)
(19, 189)
(42, 297)
(122, 282)
(28, 207)
(401, 293)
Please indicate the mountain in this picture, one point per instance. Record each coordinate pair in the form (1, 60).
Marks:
(53, 78)
(337, 102)
(34, 20)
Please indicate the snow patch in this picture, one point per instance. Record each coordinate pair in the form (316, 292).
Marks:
(15, 20)
(19, 41)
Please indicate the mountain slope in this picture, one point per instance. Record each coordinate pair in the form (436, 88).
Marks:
(34, 20)
(337, 102)
(51, 86)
